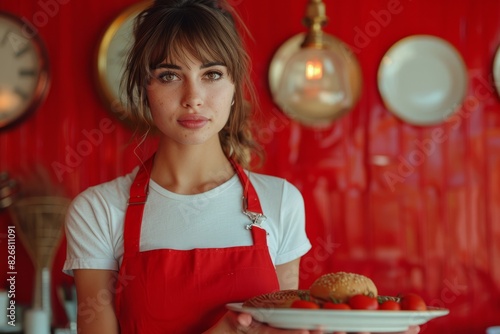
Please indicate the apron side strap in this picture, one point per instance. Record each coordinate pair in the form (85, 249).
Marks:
(132, 230)
(135, 209)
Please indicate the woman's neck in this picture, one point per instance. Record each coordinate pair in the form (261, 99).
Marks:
(192, 169)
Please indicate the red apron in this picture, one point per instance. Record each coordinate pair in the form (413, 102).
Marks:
(185, 291)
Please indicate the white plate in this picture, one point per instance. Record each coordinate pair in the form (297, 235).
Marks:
(340, 320)
(496, 70)
(422, 79)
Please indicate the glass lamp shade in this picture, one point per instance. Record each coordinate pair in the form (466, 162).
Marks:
(314, 86)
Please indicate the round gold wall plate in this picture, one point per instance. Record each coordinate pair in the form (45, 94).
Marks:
(289, 48)
(111, 58)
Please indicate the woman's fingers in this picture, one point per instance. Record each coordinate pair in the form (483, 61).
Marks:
(244, 319)
(247, 325)
(413, 330)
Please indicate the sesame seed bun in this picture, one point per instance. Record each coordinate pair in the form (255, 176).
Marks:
(341, 286)
(277, 299)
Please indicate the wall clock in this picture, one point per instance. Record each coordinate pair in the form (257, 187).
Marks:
(24, 70)
(111, 58)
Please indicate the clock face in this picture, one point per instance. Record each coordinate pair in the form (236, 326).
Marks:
(24, 78)
(111, 58)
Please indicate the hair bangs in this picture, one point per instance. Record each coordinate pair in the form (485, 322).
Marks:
(192, 34)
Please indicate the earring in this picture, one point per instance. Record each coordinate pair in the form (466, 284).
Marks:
(232, 103)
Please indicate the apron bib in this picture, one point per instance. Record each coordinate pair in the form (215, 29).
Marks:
(185, 291)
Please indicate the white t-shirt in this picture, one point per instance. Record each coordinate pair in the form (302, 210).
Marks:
(213, 219)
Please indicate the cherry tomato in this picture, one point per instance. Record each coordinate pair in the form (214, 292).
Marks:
(363, 302)
(412, 301)
(304, 304)
(389, 305)
(336, 306)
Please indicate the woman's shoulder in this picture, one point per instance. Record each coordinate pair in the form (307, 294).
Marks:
(111, 192)
(266, 178)
(274, 185)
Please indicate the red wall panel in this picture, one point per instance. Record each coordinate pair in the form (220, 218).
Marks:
(434, 230)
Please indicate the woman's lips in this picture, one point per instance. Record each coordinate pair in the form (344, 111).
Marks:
(192, 121)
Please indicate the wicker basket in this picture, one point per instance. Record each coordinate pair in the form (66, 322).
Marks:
(39, 225)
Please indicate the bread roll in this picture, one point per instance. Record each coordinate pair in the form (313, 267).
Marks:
(340, 286)
(277, 299)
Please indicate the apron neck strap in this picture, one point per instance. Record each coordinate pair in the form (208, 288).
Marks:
(139, 193)
(251, 203)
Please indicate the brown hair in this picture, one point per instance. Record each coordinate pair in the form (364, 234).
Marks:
(207, 30)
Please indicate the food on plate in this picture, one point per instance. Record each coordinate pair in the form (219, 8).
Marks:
(277, 299)
(363, 302)
(339, 287)
(338, 291)
(389, 305)
(300, 303)
(336, 306)
(412, 302)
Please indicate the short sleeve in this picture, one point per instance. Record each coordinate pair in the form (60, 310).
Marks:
(294, 242)
(89, 235)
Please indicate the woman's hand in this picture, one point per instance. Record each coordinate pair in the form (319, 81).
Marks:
(411, 330)
(243, 323)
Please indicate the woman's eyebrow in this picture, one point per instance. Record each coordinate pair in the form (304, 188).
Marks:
(170, 66)
(177, 67)
(212, 63)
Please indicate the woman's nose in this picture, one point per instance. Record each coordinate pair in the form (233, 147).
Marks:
(192, 95)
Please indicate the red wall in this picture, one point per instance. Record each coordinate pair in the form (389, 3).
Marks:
(435, 232)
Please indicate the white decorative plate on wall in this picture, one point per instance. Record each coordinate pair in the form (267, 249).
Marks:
(496, 70)
(422, 79)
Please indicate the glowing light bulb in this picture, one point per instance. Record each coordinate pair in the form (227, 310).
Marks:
(314, 70)
(314, 85)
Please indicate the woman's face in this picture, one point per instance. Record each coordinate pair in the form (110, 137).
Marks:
(190, 101)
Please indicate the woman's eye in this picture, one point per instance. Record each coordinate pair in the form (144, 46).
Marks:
(167, 76)
(214, 75)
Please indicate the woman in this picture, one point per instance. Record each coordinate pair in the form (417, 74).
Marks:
(166, 247)
(199, 231)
